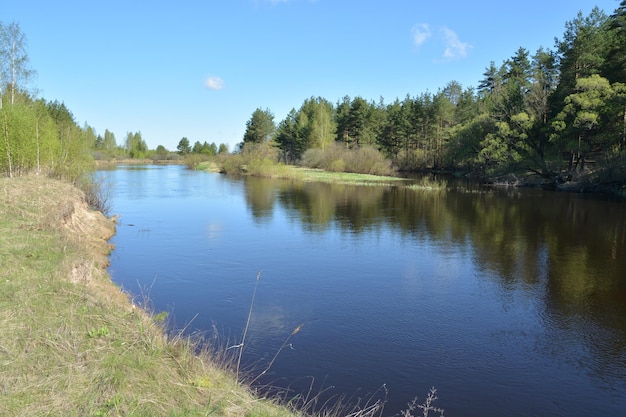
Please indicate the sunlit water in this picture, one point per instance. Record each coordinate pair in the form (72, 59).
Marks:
(509, 303)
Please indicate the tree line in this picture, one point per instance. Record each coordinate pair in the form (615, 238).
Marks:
(207, 149)
(44, 136)
(555, 113)
(35, 135)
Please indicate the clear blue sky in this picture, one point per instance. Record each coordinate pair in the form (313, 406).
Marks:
(198, 69)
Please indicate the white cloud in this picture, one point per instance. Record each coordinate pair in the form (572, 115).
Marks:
(454, 47)
(421, 32)
(214, 83)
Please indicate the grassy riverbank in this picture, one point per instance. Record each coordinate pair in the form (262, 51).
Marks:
(72, 343)
(290, 172)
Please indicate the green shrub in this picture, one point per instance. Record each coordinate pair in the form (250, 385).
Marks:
(256, 159)
(234, 164)
(338, 165)
(337, 158)
(193, 160)
(312, 158)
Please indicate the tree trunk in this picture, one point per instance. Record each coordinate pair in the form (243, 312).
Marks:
(38, 151)
(6, 142)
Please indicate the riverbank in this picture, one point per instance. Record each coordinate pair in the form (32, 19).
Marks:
(588, 184)
(104, 163)
(295, 173)
(72, 343)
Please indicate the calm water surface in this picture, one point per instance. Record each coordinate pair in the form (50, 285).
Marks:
(509, 303)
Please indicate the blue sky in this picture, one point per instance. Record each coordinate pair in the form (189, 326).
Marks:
(198, 69)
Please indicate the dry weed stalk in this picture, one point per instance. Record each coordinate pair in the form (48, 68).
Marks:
(245, 331)
(284, 345)
(426, 406)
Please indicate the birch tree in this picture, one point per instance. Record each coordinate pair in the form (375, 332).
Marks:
(14, 69)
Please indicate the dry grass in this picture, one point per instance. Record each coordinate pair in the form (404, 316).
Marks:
(72, 343)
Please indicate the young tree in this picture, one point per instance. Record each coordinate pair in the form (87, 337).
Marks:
(516, 84)
(467, 107)
(109, 144)
(90, 136)
(323, 127)
(162, 152)
(208, 149)
(73, 158)
(444, 106)
(45, 135)
(17, 125)
(135, 145)
(358, 118)
(395, 129)
(260, 127)
(14, 69)
(183, 146)
(312, 126)
(544, 81)
(289, 139)
(358, 122)
(492, 83)
(342, 118)
(223, 148)
(423, 131)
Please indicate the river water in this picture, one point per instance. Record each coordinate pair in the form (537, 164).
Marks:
(508, 302)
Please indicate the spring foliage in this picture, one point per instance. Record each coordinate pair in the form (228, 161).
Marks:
(35, 135)
(554, 113)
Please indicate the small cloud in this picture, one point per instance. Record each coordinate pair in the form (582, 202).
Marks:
(454, 47)
(421, 32)
(214, 83)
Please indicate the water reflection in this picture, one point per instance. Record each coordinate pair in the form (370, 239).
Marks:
(514, 297)
(567, 250)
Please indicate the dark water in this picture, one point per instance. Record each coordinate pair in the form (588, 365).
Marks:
(509, 303)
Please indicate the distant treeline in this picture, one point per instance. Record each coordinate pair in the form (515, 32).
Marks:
(560, 114)
(555, 113)
(43, 136)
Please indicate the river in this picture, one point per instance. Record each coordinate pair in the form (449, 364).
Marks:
(508, 302)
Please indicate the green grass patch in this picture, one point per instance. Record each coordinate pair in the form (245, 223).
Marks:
(309, 174)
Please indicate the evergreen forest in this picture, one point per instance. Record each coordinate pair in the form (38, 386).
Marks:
(555, 115)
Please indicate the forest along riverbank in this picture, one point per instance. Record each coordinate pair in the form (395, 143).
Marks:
(72, 343)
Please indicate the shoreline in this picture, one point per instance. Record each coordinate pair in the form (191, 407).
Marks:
(74, 343)
(114, 162)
